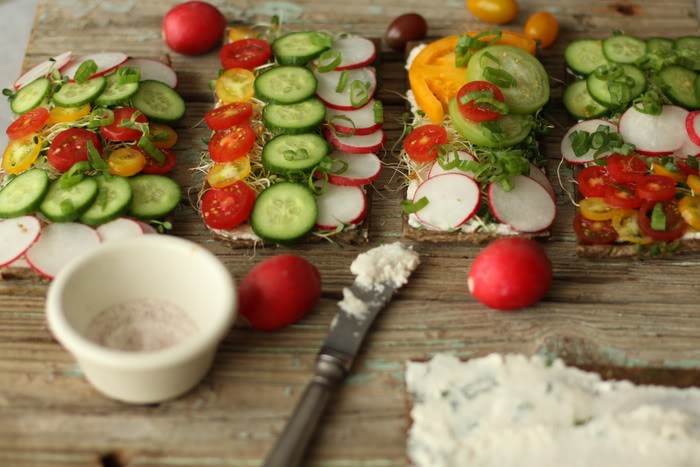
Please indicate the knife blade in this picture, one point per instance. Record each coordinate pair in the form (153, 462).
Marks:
(379, 273)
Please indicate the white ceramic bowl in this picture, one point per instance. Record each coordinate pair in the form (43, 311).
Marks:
(159, 267)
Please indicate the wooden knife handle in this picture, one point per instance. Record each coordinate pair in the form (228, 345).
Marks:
(290, 447)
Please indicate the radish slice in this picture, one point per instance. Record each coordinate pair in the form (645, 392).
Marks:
(328, 82)
(153, 69)
(362, 169)
(147, 228)
(43, 69)
(452, 200)
(105, 61)
(58, 245)
(692, 126)
(567, 151)
(16, 236)
(539, 176)
(436, 169)
(355, 52)
(339, 205)
(363, 118)
(122, 227)
(654, 135)
(527, 208)
(356, 144)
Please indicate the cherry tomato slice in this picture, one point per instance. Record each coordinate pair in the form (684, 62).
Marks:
(542, 26)
(116, 132)
(126, 161)
(595, 209)
(231, 143)
(225, 208)
(163, 136)
(227, 173)
(622, 196)
(675, 224)
(594, 232)
(478, 112)
(228, 115)
(420, 144)
(689, 207)
(625, 169)
(247, 53)
(240, 32)
(656, 187)
(28, 123)
(68, 114)
(693, 182)
(153, 167)
(626, 224)
(20, 154)
(235, 85)
(70, 146)
(592, 181)
(689, 166)
(660, 169)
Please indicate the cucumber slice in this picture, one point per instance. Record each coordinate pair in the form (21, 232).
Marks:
(617, 94)
(659, 45)
(75, 95)
(24, 193)
(67, 204)
(687, 42)
(583, 56)
(579, 102)
(115, 93)
(299, 48)
(30, 96)
(285, 85)
(284, 212)
(515, 126)
(531, 91)
(293, 119)
(678, 84)
(154, 196)
(159, 102)
(113, 198)
(293, 153)
(624, 49)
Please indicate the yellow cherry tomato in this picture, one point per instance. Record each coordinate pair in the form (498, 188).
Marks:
(626, 224)
(689, 207)
(493, 11)
(227, 173)
(542, 26)
(235, 85)
(68, 114)
(237, 33)
(162, 135)
(21, 153)
(596, 209)
(659, 169)
(126, 161)
(693, 182)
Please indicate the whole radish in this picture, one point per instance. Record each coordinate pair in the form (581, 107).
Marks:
(193, 28)
(510, 273)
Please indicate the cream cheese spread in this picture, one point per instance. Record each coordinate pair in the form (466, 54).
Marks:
(390, 263)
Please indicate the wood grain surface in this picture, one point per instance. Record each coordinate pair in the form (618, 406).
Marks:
(624, 313)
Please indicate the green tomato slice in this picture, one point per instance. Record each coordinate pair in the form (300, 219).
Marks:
(515, 128)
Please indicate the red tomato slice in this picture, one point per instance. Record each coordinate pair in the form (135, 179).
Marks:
(153, 167)
(28, 123)
(675, 224)
(478, 112)
(420, 144)
(625, 169)
(594, 232)
(656, 187)
(228, 115)
(245, 53)
(115, 132)
(687, 166)
(225, 208)
(592, 181)
(231, 143)
(70, 146)
(622, 196)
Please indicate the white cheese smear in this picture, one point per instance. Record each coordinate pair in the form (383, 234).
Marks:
(514, 410)
(390, 263)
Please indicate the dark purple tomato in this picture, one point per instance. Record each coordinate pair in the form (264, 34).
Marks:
(405, 28)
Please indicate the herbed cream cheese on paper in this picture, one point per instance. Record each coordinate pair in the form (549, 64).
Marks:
(514, 410)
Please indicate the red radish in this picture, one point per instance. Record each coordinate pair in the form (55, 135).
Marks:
(16, 236)
(436, 169)
(590, 126)
(106, 62)
(356, 144)
(527, 207)
(542, 178)
(147, 228)
(688, 148)
(43, 69)
(361, 170)
(510, 273)
(452, 200)
(279, 292)
(362, 119)
(355, 52)
(153, 69)
(193, 28)
(338, 205)
(122, 227)
(692, 126)
(654, 135)
(58, 245)
(360, 82)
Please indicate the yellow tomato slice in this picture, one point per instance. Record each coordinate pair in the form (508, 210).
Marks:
(235, 85)
(162, 135)
(689, 207)
(596, 209)
(68, 114)
(659, 169)
(237, 33)
(126, 162)
(626, 224)
(227, 173)
(20, 154)
(693, 182)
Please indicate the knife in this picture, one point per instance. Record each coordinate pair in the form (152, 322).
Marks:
(379, 273)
